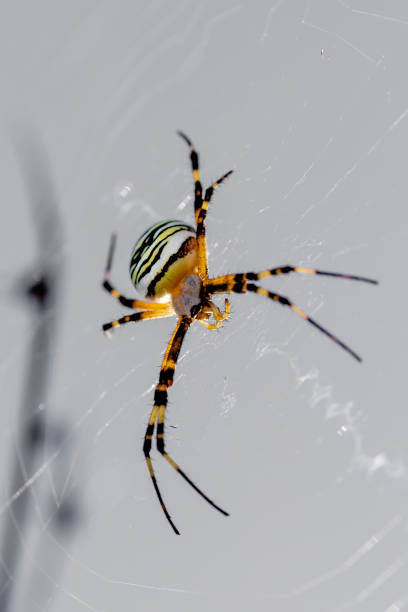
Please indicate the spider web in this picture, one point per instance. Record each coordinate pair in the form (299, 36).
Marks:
(307, 102)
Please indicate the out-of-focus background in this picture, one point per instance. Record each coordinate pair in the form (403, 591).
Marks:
(307, 449)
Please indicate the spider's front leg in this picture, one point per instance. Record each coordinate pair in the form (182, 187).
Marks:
(158, 415)
(201, 206)
(201, 241)
(198, 190)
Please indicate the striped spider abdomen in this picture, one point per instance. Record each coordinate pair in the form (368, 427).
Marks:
(164, 254)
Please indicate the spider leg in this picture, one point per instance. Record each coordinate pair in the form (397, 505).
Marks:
(289, 269)
(198, 190)
(200, 219)
(140, 316)
(128, 302)
(159, 411)
(237, 283)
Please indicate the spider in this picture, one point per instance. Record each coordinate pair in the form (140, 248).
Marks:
(169, 265)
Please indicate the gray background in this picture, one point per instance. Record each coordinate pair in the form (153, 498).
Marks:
(308, 102)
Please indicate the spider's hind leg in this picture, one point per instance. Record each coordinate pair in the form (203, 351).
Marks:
(159, 412)
(128, 302)
(158, 313)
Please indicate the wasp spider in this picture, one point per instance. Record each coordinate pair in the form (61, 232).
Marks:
(169, 266)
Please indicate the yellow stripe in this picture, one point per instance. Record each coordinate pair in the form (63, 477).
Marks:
(305, 270)
(153, 415)
(115, 293)
(149, 465)
(202, 257)
(170, 460)
(164, 237)
(263, 291)
(161, 415)
(196, 175)
(298, 311)
(115, 324)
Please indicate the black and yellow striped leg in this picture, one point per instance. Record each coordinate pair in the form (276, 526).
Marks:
(140, 316)
(201, 242)
(198, 190)
(159, 411)
(128, 302)
(146, 449)
(236, 283)
(208, 195)
(160, 402)
(288, 269)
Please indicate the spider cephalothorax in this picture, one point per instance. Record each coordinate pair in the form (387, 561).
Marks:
(169, 266)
